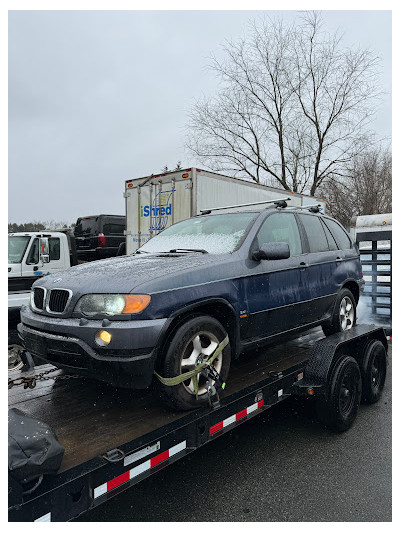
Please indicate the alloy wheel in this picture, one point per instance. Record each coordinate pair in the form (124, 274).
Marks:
(199, 349)
(346, 313)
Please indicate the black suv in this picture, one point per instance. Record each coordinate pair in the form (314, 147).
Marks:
(99, 236)
(254, 277)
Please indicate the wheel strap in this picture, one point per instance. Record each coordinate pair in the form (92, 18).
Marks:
(171, 382)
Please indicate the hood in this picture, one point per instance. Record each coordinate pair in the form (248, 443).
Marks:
(124, 274)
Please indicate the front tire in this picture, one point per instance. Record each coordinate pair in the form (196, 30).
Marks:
(195, 341)
(344, 313)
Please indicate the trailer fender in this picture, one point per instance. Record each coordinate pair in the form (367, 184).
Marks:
(325, 353)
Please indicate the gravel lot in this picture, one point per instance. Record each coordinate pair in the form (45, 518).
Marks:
(280, 466)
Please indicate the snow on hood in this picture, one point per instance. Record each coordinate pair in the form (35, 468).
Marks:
(123, 274)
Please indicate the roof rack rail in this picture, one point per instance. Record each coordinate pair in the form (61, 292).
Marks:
(278, 201)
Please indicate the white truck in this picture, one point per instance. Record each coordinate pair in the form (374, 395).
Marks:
(153, 203)
(30, 256)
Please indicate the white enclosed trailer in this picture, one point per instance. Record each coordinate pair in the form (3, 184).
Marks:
(373, 235)
(155, 202)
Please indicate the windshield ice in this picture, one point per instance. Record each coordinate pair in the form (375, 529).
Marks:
(217, 234)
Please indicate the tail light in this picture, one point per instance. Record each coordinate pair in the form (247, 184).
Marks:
(101, 240)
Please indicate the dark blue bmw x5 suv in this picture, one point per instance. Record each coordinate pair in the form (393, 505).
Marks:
(254, 276)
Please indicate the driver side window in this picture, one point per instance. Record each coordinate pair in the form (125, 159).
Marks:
(281, 227)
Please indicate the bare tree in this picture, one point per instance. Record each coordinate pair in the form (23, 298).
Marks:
(366, 190)
(292, 107)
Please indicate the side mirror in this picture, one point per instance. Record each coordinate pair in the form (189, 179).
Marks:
(272, 250)
(44, 250)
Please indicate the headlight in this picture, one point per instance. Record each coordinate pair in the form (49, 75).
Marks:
(112, 304)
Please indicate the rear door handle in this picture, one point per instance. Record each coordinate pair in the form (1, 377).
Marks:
(338, 259)
(303, 265)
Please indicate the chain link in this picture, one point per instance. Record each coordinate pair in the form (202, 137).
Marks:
(29, 382)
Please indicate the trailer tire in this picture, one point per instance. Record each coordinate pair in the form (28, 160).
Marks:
(340, 407)
(198, 331)
(373, 371)
(340, 322)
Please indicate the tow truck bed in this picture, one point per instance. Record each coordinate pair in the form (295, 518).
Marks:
(114, 438)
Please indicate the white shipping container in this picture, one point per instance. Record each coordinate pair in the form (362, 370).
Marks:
(155, 202)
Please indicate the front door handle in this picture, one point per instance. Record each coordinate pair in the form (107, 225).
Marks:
(339, 259)
(303, 265)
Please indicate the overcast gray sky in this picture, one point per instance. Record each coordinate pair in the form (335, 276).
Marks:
(97, 97)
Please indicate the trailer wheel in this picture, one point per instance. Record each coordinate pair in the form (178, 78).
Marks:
(344, 313)
(339, 410)
(193, 342)
(373, 371)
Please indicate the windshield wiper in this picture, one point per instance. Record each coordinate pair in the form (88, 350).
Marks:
(201, 250)
(141, 252)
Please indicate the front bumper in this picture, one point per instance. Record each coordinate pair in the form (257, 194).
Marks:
(128, 361)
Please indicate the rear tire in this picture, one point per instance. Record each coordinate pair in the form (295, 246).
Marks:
(339, 410)
(344, 313)
(373, 371)
(193, 342)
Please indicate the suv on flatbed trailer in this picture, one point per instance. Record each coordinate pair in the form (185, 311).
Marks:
(248, 277)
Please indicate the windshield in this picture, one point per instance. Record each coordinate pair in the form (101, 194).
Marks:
(216, 234)
(16, 247)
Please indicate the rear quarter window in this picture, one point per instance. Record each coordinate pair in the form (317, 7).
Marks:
(341, 237)
(113, 229)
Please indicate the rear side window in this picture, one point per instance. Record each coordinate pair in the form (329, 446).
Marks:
(341, 237)
(315, 233)
(54, 246)
(113, 229)
(331, 240)
(281, 227)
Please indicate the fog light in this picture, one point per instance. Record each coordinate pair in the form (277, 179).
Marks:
(103, 338)
(310, 391)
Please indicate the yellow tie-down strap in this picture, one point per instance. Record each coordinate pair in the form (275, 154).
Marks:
(170, 382)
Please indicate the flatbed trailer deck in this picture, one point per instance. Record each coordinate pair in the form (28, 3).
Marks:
(114, 438)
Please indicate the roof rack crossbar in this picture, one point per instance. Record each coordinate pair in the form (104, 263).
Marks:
(305, 206)
(207, 211)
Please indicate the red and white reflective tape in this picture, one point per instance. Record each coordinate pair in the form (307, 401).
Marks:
(139, 469)
(230, 420)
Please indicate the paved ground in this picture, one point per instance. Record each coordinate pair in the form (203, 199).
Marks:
(280, 466)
